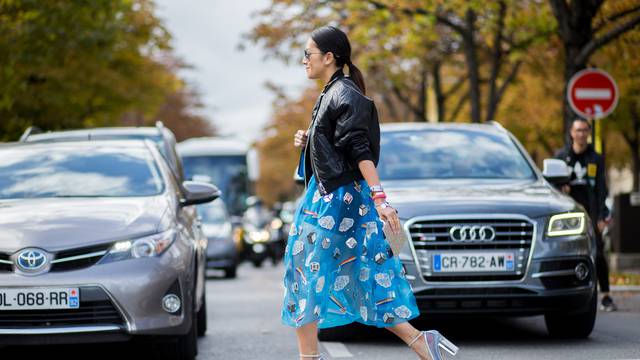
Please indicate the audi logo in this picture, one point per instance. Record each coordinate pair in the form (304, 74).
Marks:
(472, 233)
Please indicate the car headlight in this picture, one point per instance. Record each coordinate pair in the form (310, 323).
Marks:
(566, 224)
(259, 236)
(276, 224)
(148, 246)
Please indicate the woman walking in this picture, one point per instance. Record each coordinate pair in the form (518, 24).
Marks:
(338, 266)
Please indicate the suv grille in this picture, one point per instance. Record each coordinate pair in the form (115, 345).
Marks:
(431, 236)
(95, 309)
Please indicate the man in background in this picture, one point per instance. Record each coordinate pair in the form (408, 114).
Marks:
(589, 188)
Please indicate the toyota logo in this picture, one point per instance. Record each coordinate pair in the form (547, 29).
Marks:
(31, 260)
(472, 233)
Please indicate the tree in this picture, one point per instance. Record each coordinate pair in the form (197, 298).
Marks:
(278, 157)
(622, 128)
(403, 43)
(584, 26)
(71, 64)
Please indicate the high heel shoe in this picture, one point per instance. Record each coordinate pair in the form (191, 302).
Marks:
(434, 341)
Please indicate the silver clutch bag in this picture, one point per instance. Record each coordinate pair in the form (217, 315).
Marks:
(396, 241)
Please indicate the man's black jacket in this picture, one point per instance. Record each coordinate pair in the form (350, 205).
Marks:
(344, 130)
(596, 181)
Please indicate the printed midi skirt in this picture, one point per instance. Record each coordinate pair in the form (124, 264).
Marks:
(338, 266)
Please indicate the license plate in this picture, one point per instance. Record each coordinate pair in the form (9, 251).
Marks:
(473, 262)
(39, 298)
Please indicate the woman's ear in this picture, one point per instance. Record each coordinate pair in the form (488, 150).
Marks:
(328, 58)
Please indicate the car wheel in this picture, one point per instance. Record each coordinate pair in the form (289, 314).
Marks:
(257, 263)
(182, 347)
(577, 325)
(230, 273)
(202, 316)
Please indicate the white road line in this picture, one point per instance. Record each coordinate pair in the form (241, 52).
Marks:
(336, 349)
(593, 94)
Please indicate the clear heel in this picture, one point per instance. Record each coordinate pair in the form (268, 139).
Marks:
(434, 341)
(447, 345)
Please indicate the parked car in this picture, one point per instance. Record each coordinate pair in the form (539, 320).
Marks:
(222, 251)
(489, 235)
(98, 242)
(159, 135)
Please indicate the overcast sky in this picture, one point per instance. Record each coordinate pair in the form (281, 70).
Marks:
(206, 34)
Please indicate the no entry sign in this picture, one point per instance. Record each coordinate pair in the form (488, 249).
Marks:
(592, 93)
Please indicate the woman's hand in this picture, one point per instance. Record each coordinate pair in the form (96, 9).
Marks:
(300, 138)
(389, 215)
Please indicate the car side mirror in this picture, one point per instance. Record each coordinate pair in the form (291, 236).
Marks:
(556, 172)
(196, 192)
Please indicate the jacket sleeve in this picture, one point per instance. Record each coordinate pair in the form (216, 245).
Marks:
(601, 190)
(352, 128)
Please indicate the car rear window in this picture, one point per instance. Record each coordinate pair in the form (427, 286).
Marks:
(60, 171)
(450, 154)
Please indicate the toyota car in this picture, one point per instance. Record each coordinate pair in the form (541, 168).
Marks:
(488, 233)
(99, 242)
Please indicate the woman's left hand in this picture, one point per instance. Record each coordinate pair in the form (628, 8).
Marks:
(390, 216)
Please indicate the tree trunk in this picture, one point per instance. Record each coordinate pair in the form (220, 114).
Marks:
(437, 87)
(570, 69)
(496, 63)
(422, 98)
(636, 168)
(471, 59)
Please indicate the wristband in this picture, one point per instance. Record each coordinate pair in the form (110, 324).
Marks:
(376, 188)
(379, 196)
(383, 205)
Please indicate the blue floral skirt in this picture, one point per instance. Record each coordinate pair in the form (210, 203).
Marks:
(338, 266)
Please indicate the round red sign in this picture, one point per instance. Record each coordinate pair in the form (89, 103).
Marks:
(592, 93)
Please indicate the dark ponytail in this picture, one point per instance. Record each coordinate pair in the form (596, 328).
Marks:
(333, 40)
(357, 77)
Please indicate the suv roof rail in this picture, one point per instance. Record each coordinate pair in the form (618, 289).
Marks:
(29, 131)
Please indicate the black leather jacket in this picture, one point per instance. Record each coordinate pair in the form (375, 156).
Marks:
(344, 130)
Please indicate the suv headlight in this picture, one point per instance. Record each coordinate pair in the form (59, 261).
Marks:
(148, 246)
(566, 224)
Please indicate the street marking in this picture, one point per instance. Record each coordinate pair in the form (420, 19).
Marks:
(593, 94)
(336, 349)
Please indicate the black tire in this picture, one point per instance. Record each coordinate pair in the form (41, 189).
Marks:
(202, 316)
(230, 272)
(182, 347)
(576, 325)
(257, 263)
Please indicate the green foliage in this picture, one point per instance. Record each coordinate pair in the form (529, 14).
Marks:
(71, 64)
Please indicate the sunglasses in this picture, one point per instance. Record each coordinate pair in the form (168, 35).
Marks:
(307, 54)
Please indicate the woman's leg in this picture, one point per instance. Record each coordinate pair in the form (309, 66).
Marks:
(406, 332)
(308, 339)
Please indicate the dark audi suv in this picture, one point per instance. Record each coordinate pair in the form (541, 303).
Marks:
(99, 242)
(489, 235)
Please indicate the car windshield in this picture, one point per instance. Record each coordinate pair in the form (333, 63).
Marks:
(450, 154)
(43, 171)
(213, 213)
(228, 173)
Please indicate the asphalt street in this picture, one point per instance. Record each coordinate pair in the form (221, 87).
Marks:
(244, 323)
